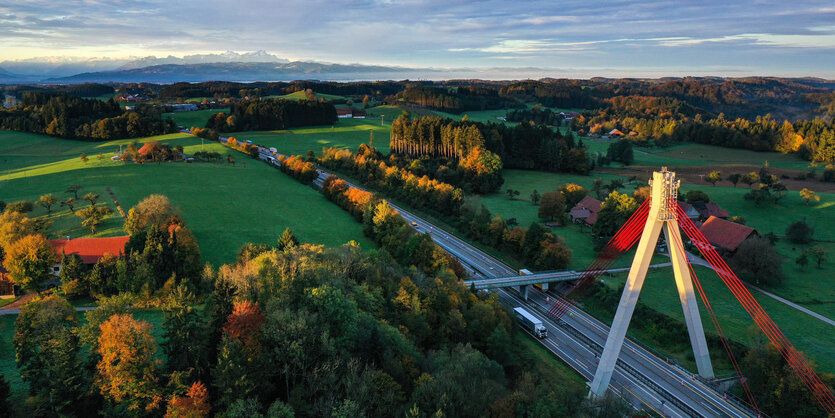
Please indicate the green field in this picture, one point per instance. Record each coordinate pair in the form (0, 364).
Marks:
(301, 95)
(346, 133)
(196, 118)
(225, 206)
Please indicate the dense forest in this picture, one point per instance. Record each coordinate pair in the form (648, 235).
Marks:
(522, 146)
(290, 329)
(666, 120)
(86, 119)
(455, 99)
(268, 114)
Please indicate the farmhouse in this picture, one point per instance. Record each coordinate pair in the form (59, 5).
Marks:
(689, 210)
(358, 113)
(726, 235)
(615, 132)
(344, 113)
(183, 107)
(585, 210)
(91, 250)
(706, 210)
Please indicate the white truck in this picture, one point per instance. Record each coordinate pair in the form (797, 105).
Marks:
(530, 322)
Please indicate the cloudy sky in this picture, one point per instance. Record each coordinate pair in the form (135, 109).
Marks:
(637, 37)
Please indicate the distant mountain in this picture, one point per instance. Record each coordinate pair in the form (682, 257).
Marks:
(226, 57)
(56, 67)
(241, 71)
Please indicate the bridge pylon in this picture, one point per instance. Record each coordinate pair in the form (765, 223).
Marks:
(661, 217)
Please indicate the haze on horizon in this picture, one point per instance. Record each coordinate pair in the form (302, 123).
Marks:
(576, 39)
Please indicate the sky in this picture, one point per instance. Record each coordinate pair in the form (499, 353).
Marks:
(568, 38)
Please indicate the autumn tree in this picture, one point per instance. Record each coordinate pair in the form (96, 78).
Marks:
(750, 178)
(155, 209)
(29, 261)
(239, 367)
(552, 206)
(127, 369)
(93, 216)
(642, 193)
(614, 211)
(47, 201)
(70, 203)
(92, 198)
(809, 196)
(195, 404)
(48, 356)
(573, 193)
(713, 177)
(14, 226)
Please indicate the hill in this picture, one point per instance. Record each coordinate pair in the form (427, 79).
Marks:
(237, 71)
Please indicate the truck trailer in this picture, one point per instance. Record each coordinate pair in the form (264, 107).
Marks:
(530, 322)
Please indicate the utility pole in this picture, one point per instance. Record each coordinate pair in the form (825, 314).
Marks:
(662, 217)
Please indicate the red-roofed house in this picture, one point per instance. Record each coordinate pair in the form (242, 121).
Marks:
(344, 113)
(585, 210)
(91, 250)
(688, 209)
(706, 210)
(724, 234)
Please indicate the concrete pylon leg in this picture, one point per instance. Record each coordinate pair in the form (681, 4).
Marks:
(626, 307)
(545, 287)
(523, 292)
(688, 300)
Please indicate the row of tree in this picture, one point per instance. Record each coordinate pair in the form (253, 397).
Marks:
(368, 166)
(454, 99)
(269, 114)
(77, 118)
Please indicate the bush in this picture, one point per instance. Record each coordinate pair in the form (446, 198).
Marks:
(800, 232)
(697, 196)
(22, 206)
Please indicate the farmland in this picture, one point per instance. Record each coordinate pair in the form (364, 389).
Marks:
(196, 118)
(248, 201)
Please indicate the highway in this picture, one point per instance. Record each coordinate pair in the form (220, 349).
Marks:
(643, 379)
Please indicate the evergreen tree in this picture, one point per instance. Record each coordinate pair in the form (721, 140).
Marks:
(287, 240)
(185, 340)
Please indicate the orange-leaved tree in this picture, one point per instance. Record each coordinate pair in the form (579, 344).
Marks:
(126, 371)
(194, 405)
(29, 261)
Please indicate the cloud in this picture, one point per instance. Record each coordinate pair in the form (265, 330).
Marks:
(440, 33)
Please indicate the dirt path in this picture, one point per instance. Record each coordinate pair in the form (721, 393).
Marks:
(16, 305)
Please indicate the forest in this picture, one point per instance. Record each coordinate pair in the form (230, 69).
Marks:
(666, 120)
(522, 146)
(269, 114)
(455, 99)
(290, 329)
(73, 117)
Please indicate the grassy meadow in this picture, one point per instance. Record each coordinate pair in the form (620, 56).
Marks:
(196, 118)
(224, 205)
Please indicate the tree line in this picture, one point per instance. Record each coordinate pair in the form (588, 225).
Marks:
(454, 99)
(669, 120)
(269, 114)
(73, 117)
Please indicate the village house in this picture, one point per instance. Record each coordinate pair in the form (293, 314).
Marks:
(344, 113)
(91, 250)
(706, 210)
(690, 211)
(585, 211)
(726, 235)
